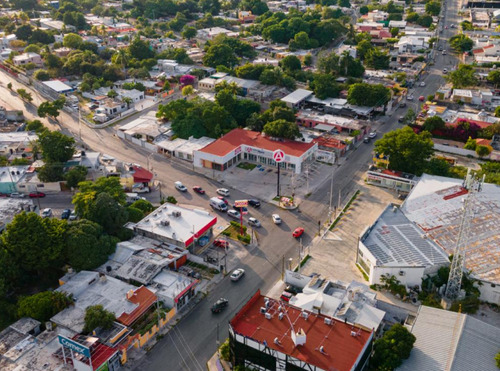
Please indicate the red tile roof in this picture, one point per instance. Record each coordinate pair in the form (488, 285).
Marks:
(341, 348)
(329, 142)
(238, 137)
(145, 299)
(142, 175)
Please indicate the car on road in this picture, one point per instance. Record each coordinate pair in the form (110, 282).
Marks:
(237, 274)
(276, 219)
(445, 71)
(440, 49)
(444, 52)
(37, 194)
(4, 195)
(366, 140)
(199, 190)
(219, 305)
(286, 296)
(223, 200)
(254, 203)
(73, 216)
(241, 209)
(422, 84)
(180, 187)
(298, 232)
(234, 214)
(401, 120)
(223, 192)
(421, 98)
(141, 189)
(219, 242)
(372, 135)
(445, 27)
(402, 105)
(17, 195)
(47, 213)
(65, 214)
(409, 97)
(254, 222)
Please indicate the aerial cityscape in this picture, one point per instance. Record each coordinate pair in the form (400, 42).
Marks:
(249, 185)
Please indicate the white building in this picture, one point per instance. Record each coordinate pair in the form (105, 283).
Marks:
(210, 33)
(297, 98)
(25, 58)
(240, 144)
(394, 246)
(411, 44)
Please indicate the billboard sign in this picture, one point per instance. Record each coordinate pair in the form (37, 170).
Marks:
(241, 203)
(74, 346)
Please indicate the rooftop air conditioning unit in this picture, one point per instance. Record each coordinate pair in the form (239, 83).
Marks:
(328, 321)
(165, 223)
(263, 310)
(402, 273)
(176, 214)
(268, 315)
(305, 315)
(281, 315)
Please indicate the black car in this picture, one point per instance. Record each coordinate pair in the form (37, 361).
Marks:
(366, 140)
(242, 209)
(65, 214)
(219, 305)
(254, 203)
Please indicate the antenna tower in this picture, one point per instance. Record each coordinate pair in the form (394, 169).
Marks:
(473, 185)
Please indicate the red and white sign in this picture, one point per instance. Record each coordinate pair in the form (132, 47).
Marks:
(241, 203)
(279, 155)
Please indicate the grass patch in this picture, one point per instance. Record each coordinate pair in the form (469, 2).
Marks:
(304, 261)
(344, 210)
(246, 166)
(365, 276)
(234, 232)
(209, 272)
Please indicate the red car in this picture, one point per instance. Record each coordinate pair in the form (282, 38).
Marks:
(37, 194)
(298, 232)
(286, 296)
(221, 243)
(223, 199)
(421, 98)
(199, 190)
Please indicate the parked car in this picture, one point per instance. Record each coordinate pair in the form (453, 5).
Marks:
(223, 192)
(219, 305)
(276, 219)
(422, 83)
(141, 189)
(241, 209)
(286, 296)
(17, 195)
(199, 190)
(237, 274)
(421, 98)
(221, 243)
(254, 203)
(37, 194)
(223, 199)
(73, 216)
(66, 214)
(254, 222)
(401, 120)
(180, 187)
(366, 140)
(234, 214)
(4, 195)
(298, 232)
(445, 71)
(47, 213)
(372, 135)
(402, 105)
(409, 97)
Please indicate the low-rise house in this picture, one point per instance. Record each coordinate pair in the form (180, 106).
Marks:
(10, 207)
(53, 24)
(25, 58)
(181, 148)
(246, 16)
(206, 34)
(412, 44)
(58, 86)
(62, 52)
(479, 18)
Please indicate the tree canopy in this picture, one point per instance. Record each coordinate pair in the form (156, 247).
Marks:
(282, 129)
(56, 147)
(392, 348)
(407, 151)
(96, 316)
(433, 123)
(463, 76)
(369, 95)
(461, 43)
(43, 305)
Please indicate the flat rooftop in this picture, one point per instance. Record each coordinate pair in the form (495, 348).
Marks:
(177, 223)
(297, 96)
(395, 240)
(435, 205)
(342, 343)
(171, 284)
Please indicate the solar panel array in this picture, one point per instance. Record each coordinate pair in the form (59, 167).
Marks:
(423, 245)
(379, 253)
(400, 249)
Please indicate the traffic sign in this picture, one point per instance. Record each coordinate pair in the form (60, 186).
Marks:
(279, 155)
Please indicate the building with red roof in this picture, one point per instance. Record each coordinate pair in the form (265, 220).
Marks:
(143, 298)
(273, 335)
(252, 146)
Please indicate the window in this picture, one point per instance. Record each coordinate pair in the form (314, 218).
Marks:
(40, 185)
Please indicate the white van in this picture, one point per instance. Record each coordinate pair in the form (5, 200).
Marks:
(132, 197)
(218, 204)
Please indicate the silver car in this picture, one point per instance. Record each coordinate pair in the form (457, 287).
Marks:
(234, 214)
(237, 274)
(254, 222)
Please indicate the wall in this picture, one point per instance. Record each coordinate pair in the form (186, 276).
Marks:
(489, 293)
(412, 277)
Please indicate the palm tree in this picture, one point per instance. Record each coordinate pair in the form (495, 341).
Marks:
(121, 58)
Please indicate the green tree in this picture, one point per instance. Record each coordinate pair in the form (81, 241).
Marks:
(344, 3)
(56, 147)
(409, 117)
(463, 76)
(173, 109)
(497, 359)
(438, 166)
(51, 172)
(497, 111)
(483, 151)
(377, 59)
(363, 10)
(134, 215)
(282, 129)
(41, 75)
(121, 58)
(461, 43)
(494, 77)
(90, 190)
(50, 108)
(75, 176)
(433, 7)
(471, 144)
(145, 206)
(433, 123)
(363, 47)
(308, 60)
(210, 6)
(392, 348)
(301, 40)
(424, 20)
(43, 305)
(363, 94)
(34, 244)
(467, 26)
(107, 212)
(96, 316)
(407, 151)
(325, 86)
(24, 95)
(72, 40)
(24, 32)
(257, 7)
(220, 55)
(187, 90)
(86, 246)
(412, 17)
(140, 49)
(189, 32)
(290, 63)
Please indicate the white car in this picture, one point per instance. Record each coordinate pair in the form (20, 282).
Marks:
(422, 84)
(237, 274)
(17, 195)
(180, 187)
(234, 214)
(445, 71)
(73, 215)
(276, 219)
(47, 213)
(223, 192)
(409, 97)
(372, 135)
(254, 222)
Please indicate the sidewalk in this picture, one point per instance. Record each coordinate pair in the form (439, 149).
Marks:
(217, 364)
